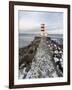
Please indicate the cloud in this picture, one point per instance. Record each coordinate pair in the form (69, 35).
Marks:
(30, 21)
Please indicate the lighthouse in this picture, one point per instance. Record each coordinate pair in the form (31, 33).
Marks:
(43, 31)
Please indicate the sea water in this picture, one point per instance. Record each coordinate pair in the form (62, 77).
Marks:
(26, 39)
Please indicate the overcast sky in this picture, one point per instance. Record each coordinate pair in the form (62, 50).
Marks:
(30, 21)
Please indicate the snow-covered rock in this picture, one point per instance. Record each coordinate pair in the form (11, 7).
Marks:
(56, 59)
(42, 66)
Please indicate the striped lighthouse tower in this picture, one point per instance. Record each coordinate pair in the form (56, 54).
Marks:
(42, 29)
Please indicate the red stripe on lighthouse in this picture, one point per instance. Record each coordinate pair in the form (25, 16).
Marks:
(42, 28)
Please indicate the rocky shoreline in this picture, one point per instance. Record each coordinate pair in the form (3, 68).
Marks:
(27, 54)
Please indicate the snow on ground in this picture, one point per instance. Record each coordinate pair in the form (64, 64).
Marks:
(47, 62)
(42, 65)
